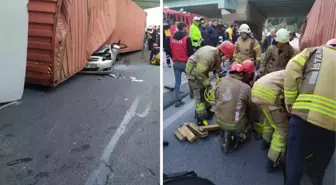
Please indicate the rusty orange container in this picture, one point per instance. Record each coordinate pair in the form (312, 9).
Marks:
(130, 26)
(64, 33)
(320, 24)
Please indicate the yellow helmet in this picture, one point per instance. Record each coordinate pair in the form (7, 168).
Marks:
(282, 35)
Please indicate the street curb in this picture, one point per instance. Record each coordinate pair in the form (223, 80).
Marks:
(169, 97)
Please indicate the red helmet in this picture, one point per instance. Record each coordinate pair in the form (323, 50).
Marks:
(332, 42)
(227, 48)
(248, 66)
(235, 67)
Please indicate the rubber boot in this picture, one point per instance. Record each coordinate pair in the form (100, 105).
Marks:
(236, 140)
(210, 113)
(265, 145)
(270, 167)
(202, 122)
(225, 144)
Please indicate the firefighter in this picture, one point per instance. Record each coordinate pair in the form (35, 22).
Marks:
(310, 97)
(247, 47)
(155, 55)
(234, 106)
(277, 55)
(267, 93)
(195, 33)
(206, 59)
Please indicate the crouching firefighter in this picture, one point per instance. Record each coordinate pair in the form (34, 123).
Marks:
(234, 106)
(267, 93)
(206, 59)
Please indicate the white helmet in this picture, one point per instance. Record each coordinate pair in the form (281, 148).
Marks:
(282, 35)
(196, 18)
(244, 28)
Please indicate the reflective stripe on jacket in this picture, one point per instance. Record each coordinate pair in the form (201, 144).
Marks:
(233, 104)
(201, 63)
(248, 49)
(195, 35)
(268, 90)
(309, 86)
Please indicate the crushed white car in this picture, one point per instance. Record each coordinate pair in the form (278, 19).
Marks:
(102, 61)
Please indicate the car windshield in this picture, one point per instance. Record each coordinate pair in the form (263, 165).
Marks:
(101, 50)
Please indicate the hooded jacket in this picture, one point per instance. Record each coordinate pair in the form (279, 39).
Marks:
(213, 33)
(180, 35)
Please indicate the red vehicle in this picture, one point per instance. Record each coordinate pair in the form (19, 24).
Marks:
(173, 16)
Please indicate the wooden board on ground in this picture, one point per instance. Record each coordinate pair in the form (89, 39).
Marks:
(195, 129)
(209, 128)
(186, 132)
(179, 135)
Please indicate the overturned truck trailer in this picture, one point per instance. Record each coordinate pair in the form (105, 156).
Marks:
(64, 33)
(320, 25)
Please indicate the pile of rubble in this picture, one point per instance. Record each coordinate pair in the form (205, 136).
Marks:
(191, 131)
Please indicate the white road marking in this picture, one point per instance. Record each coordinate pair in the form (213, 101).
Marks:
(100, 174)
(9, 104)
(178, 114)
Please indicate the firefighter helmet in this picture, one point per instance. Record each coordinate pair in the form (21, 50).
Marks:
(332, 42)
(247, 66)
(235, 67)
(282, 36)
(244, 28)
(227, 48)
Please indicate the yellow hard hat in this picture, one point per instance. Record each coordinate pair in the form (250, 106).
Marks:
(282, 35)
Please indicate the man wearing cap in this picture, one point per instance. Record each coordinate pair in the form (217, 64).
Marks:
(278, 54)
(195, 33)
(205, 35)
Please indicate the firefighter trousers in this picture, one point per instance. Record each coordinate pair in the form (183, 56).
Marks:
(303, 139)
(276, 117)
(201, 105)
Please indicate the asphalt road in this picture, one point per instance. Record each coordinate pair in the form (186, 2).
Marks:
(243, 167)
(90, 130)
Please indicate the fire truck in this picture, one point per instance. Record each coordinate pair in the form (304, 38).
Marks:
(172, 17)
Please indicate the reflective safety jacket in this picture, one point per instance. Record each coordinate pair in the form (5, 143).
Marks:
(201, 63)
(268, 90)
(275, 60)
(248, 49)
(195, 35)
(233, 104)
(310, 86)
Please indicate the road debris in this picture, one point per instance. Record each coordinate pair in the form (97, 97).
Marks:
(191, 131)
(134, 79)
(18, 161)
(81, 149)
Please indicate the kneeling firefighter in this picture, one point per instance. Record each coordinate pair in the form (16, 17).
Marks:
(155, 55)
(234, 106)
(267, 93)
(206, 59)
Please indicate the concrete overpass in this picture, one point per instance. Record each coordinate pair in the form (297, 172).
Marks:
(252, 12)
(145, 4)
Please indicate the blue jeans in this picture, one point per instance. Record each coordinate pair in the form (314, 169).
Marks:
(305, 138)
(179, 68)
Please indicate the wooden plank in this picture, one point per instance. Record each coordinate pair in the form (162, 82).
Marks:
(209, 128)
(195, 129)
(186, 132)
(179, 135)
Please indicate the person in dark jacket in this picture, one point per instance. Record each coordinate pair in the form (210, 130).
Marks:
(235, 33)
(166, 29)
(268, 41)
(205, 35)
(180, 49)
(221, 33)
(213, 33)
